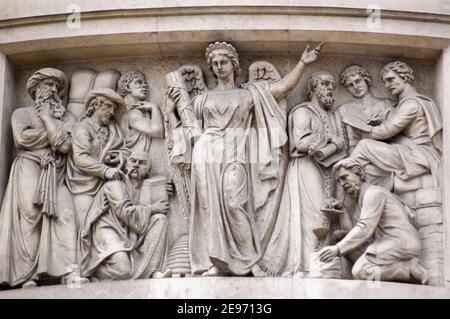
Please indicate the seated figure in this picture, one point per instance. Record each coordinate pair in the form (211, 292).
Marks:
(358, 81)
(408, 143)
(385, 224)
(122, 238)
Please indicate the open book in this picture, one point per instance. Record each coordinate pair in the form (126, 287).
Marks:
(153, 189)
(354, 117)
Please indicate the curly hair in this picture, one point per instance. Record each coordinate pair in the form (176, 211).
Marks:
(123, 86)
(313, 81)
(95, 104)
(353, 165)
(227, 50)
(355, 70)
(401, 68)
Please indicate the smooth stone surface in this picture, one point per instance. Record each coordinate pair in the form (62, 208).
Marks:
(232, 287)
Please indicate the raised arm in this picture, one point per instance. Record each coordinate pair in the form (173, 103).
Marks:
(281, 88)
(58, 135)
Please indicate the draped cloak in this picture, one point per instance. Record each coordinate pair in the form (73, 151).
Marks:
(292, 240)
(116, 222)
(237, 170)
(35, 244)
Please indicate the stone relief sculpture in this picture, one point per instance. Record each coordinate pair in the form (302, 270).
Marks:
(37, 218)
(385, 234)
(357, 81)
(403, 154)
(98, 148)
(83, 81)
(302, 227)
(255, 183)
(123, 237)
(413, 131)
(223, 230)
(143, 120)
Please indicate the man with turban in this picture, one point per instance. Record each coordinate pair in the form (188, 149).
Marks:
(37, 218)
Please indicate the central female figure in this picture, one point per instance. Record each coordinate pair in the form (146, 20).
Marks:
(235, 163)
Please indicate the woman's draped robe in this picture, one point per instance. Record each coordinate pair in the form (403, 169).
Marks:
(238, 166)
(35, 244)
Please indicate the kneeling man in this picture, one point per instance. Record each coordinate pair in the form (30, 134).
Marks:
(120, 237)
(393, 253)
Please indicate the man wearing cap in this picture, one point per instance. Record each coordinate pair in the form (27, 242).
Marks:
(97, 150)
(121, 237)
(143, 120)
(37, 219)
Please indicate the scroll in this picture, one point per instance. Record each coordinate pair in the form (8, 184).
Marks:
(184, 108)
(327, 155)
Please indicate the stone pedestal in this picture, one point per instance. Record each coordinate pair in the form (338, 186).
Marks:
(233, 287)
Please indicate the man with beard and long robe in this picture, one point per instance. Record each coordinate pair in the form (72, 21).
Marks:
(121, 237)
(312, 126)
(37, 218)
(408, 143)
(97, 148)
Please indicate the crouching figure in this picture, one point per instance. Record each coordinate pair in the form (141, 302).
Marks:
(124, 236)
(386, 225)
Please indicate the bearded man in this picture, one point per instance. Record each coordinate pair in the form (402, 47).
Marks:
(312, 127)
(37, 218)
(122, 238)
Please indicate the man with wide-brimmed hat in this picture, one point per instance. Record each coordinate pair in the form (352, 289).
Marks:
(98, 147)
(37, 219)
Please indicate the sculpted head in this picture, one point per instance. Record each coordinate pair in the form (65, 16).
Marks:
(350, 175)
(222, 59)
(103, 104)
(45, 87)
(356, 80)
(396, 76)
(133, 83)
(320, 88)
(139, 165)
